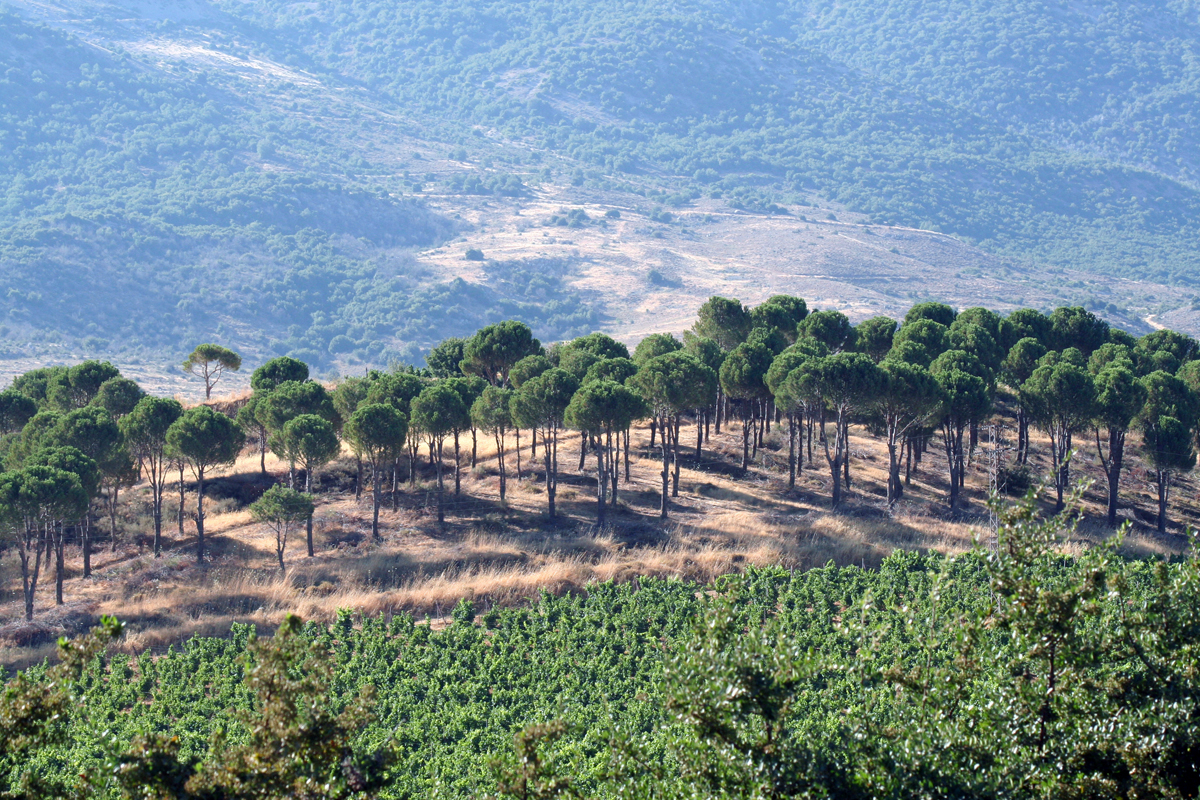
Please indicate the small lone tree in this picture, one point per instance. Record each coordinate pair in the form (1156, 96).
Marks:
(204, 439)
(145, 430)
(378, 431)
(209, 362)
(281, 508)
(310, 441)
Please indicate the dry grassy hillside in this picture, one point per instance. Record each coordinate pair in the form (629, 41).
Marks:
(722, 521)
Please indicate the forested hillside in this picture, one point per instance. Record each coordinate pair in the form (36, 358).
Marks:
(251, 171)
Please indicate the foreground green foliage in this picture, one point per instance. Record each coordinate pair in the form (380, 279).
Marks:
(1010, 672)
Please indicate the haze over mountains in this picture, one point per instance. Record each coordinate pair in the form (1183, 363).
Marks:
(305, 177)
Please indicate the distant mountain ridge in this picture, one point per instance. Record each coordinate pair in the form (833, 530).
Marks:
(265, 193)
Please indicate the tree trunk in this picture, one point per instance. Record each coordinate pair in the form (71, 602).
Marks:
(376, 499)
(112, 530)
(550, 457)
(182, 497)
(675, 442)
(666, 472)
(474, 447)
(745, 443)
(156, 501)
(601, 487)
(85, 541)
(653, 432)
(613, 455)
(357, 478)
(846, 454)
(1163, 478)
(441, 486)
(262, 452)
(59, 562)
(699, 435)
(791, 418)
(499, 435)
(457, 479)
(626, 455)
(517, 449)
(200, 516)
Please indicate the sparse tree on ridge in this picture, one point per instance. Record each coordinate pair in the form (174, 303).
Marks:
(209, 362)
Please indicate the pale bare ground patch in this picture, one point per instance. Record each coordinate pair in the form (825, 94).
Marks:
(505, 553)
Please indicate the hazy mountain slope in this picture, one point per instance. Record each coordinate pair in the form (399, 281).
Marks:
(299, 177)
(1022, 155)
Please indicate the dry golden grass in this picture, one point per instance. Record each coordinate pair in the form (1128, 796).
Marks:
(505, 553)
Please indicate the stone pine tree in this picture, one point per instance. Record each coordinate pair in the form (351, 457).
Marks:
(1167, 421)
(251, 419)
(209, 362)
(347, 397)
(436, 412)
(670, 385)
(493, 351)
(444, 360)
(844, 383)
(145, 430)
(96, 434)
(542, 403)
(378, 431)
(965, 399)
(469, 388)
(604, 408)
(781, 312)
(492, 414)
(118, 396)
(874, 337)
(398, 389)
(277, 371)
(909, 397)
(830, 328)
(33, 502)
(71, 460)
(789, 402)
(289, 400)
(1018, 367)
(16, 410)
(743, 378)
(282, 508)
(1060, 399)
(204, 440)
(1119, 398)
(310, 442)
